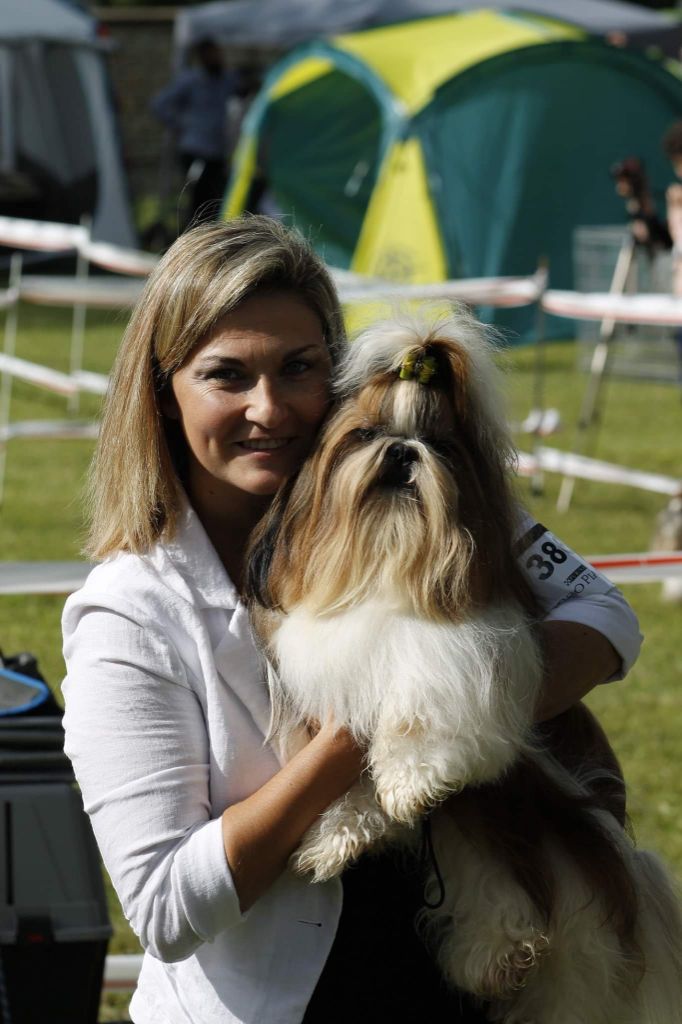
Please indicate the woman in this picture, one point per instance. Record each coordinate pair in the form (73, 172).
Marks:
(219, 387)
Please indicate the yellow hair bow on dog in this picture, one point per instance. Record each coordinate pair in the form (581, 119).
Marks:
(419, 368)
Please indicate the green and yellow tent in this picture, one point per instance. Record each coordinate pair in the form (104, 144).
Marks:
(460, 146)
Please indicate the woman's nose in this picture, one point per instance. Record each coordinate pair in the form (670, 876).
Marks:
(266, 404)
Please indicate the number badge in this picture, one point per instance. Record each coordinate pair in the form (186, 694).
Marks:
(554, 571)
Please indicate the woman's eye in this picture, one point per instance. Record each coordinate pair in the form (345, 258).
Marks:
(226, 373)
(296, 367)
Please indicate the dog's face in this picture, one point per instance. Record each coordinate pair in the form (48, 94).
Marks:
(398, 500)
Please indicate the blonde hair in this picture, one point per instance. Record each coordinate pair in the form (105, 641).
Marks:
(134, 492)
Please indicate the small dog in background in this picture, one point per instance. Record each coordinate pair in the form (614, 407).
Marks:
(384, 592)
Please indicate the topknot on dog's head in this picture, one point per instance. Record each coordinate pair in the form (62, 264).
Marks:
(453, 353)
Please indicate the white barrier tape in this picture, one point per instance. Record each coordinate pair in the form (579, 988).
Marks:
(48, 430)
(539, 422)
(121, 970)
(100, 292)
(42, 577)
(478, 291)
(54, 380)
(42, 376)
(584, 468)
(121, 261)
(45, 236)
(94, 383)
(48, 236)
(65, 577)
(351, 278)
(8, 298)
(665, 310)
(646, 567)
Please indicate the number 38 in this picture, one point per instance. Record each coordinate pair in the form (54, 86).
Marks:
(555, 555)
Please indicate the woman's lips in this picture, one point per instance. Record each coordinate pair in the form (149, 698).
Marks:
(270, 444)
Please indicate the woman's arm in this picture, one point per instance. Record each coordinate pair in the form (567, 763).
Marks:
(136, 734)
(589, 632)
(576, 659)
(261, 832)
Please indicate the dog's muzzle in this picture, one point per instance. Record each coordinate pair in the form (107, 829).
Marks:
(398, 465)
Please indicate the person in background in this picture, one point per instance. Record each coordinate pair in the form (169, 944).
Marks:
(648, 228)
(672, 146)
(194, 108)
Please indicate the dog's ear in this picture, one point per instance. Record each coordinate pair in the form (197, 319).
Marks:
(261, 550)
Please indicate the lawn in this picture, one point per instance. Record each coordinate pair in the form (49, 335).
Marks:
(41, 519)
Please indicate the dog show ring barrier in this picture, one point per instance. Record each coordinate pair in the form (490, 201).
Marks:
(608, 308)
(509, 292)
(80, 292)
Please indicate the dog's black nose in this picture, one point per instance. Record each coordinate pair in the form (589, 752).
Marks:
(397, 465)
(400, 453)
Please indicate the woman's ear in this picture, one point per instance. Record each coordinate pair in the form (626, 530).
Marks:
(168, 402)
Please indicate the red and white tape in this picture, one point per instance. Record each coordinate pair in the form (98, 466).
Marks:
(646, 567)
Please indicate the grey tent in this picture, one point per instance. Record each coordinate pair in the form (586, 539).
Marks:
(59, 150)
(285, 23)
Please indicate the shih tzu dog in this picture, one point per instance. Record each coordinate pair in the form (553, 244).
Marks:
(384, 592)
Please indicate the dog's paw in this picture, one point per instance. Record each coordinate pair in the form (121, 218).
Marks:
(341, 834)
(498, 974)
(322, 857)
(405, 793)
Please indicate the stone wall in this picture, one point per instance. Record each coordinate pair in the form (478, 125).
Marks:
(141, 63)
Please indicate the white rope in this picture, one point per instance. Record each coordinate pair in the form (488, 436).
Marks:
(478, 291)
(49, 430)
(594, 469)
(119, 260)
(93, 383)
(8, 298)
(45, 236)
(665, 310)
(42, 376)
(54, 380)
(49, 236)
(42, 577)
(99, 292)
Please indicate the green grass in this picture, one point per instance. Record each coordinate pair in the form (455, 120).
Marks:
(641, 428)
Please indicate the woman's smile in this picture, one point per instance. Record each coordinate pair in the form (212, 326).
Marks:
(264, 445)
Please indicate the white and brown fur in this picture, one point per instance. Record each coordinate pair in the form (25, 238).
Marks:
(385, 593)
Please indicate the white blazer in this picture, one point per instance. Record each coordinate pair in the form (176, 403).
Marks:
(166, 715)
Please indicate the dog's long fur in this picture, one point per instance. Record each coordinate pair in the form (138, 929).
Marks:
(384, 591)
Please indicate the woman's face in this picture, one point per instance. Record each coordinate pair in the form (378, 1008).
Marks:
(251, 397)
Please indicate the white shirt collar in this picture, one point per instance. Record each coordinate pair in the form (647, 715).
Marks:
(197, 561)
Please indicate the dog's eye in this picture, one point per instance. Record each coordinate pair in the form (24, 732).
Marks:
(365, 433)
(441, 447)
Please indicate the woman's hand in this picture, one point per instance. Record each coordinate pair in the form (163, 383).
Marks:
(261, 832)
